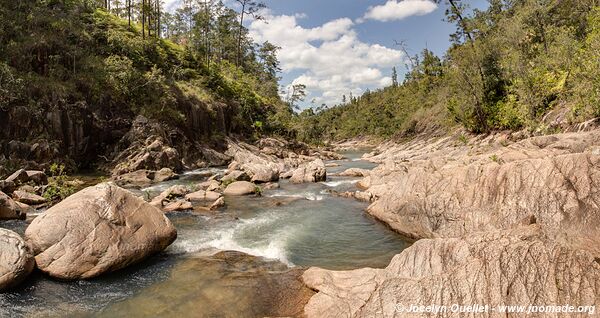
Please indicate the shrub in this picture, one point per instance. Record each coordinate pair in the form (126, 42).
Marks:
(58, 187)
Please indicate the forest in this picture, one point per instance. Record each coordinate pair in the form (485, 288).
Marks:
(520, 64)
(131, 56)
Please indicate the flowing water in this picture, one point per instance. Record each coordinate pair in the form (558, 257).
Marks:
(289, 228)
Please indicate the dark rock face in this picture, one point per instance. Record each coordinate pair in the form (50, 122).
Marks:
(90, 136)
(75, 132)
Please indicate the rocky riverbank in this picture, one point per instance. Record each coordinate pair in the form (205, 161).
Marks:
(499, 220)
(105, 228)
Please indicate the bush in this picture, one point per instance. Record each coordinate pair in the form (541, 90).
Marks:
(58, 187)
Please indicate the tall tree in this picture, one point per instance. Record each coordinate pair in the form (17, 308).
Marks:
(248, 7)
(129, 13)
(296, 93)
(143, 19)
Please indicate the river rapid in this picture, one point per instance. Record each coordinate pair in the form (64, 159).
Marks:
(281, 232)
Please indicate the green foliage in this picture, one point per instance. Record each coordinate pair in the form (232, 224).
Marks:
(508, 67)
(11, 87)
(58, 187)
(586, 77)
(496, 159)
(63, 53)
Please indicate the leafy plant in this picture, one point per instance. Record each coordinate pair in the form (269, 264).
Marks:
(58, 187)
(496, 159)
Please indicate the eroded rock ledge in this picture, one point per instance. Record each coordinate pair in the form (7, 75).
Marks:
(520, 266)
(498, 222)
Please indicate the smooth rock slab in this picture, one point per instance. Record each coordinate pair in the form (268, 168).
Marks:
(16, 259)
(97, 230)
(520, 266)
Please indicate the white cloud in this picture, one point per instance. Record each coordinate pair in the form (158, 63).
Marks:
(331, 58)
(399, 9)
(171, 5)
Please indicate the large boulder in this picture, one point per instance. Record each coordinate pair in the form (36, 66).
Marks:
(97, 230)
(9, 209)
(155, 154)
(312, 172)
(511, 267)
(240, 188)
(258, 166)
(16, 259)
(450, 201)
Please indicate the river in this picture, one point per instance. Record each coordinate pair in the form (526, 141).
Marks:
(286, 229)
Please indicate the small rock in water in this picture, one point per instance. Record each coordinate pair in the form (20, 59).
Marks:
(240, 188)
(235, 175)
(312, 172)
(219, 203)
(164, 174)
(179, 205)
(203, 196)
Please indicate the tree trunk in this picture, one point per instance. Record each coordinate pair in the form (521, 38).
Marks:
(129, 12)
(239, 46)
(207, 32)
(158, 19)
(143, 19)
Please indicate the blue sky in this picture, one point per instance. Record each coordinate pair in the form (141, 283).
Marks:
(340, 46)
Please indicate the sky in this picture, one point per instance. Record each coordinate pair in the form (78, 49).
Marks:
(343, 47)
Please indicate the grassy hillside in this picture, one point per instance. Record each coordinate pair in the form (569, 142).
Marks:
(520, 64)
(73, 77)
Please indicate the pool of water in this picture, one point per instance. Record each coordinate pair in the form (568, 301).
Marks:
(286, 229)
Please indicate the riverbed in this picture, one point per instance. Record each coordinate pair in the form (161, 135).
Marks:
(272, 238)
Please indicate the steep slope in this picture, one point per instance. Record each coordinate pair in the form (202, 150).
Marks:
(75, 78)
